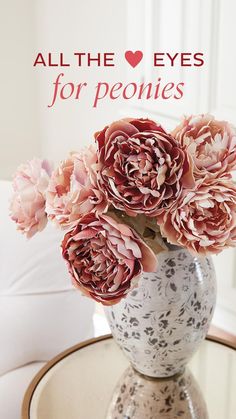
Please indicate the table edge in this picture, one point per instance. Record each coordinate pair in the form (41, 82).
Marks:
(25, 411)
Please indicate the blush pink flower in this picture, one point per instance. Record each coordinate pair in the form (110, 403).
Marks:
(27, 206)
(203, 220)
(73, 190)
(141, 167)
(106, 258)
(211, 143)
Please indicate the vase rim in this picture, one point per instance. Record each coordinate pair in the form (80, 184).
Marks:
(175, 247)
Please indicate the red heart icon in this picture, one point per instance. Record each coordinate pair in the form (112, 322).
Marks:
(133, 58)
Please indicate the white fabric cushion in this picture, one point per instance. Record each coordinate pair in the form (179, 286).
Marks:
(12, 389)
(40, 311)
(29, 266)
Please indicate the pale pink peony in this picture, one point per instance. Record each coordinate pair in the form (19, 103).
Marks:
(73, 190)
(106, 258)
(203, 220)
(141, 167)
(211, 143)
(27, 206)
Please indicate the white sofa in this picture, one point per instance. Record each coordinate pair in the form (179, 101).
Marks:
(41, 314)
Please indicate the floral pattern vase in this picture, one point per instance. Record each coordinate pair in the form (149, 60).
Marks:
(138, 397)
(161, 323)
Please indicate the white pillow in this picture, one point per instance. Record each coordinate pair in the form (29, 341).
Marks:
(40, 311)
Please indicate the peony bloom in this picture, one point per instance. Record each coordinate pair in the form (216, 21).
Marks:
(203, 220)
(73, 190)
(211, 143)
(27, 206)
(106, 258)
(141, 167)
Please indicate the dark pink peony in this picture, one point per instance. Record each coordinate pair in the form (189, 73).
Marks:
(141, 167)
(106, 258)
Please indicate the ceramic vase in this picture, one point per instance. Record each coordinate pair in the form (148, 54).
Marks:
(161, 323)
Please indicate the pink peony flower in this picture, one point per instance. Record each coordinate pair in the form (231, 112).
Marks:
(211, 143)
(27, 206)
(73, 190)
(106, 258)
(203, 220)
(141, 167)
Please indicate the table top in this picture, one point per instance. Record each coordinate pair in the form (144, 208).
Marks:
(94, 380)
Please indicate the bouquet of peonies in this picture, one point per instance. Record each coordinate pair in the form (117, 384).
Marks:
(128, 197)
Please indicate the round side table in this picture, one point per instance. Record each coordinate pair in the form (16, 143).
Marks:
(93, 380)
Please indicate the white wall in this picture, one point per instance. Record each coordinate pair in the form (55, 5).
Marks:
(28, 127)
(19, 138)
(83, 26)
